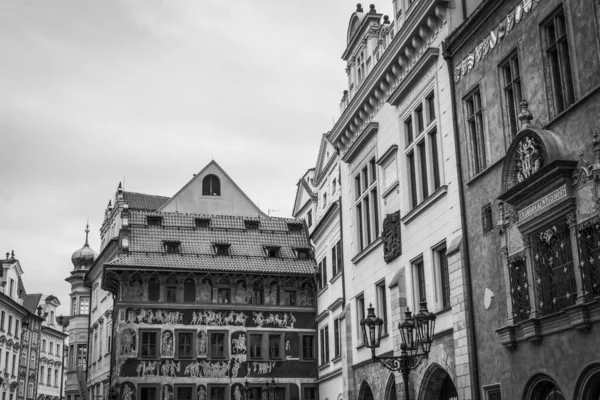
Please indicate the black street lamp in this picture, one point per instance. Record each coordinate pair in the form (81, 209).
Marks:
(416, 333)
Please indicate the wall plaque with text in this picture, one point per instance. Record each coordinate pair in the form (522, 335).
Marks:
(543, 203)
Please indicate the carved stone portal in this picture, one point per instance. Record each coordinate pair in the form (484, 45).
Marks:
(392, 243)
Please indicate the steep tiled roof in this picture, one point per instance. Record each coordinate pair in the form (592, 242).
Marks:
(246, 250)
(141, 201)
(31, 301)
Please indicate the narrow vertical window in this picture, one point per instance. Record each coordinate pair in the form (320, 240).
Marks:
(557, 55)
(476, 134)
(337, 338)
(382, 305)
(423, 162)
(413, 179)
(435, 162)
(408, 129)
(511, 81)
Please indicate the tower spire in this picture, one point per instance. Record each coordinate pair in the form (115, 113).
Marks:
(87, 231)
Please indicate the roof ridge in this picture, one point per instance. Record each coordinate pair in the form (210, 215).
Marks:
(146, 194)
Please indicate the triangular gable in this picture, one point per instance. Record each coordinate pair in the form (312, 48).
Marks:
(304, 193)
(326, 153)
(232, 201)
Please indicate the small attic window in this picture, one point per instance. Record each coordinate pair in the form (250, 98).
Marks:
(172, 247)
(211, 185)
(222, 249)
(295, 227)
(202, 223)
(303, 254)
(252, 224)
(272, 251)
(154, 220)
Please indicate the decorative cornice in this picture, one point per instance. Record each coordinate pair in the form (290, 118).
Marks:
(369, 131)
(393, 149)
(416, 78)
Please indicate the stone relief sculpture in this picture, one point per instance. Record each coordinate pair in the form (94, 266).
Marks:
(166, 345)
(148, 316)
(170, 368)
(529, 158)
(127, 392)
(284, 320)
(239, 344)
(167, 392)
(127, 343)
(263, 367)
(201, 392)
(207, 369)
(201, 345)
(392, 243)
(212, 318)
(148, 368)
(237, 394)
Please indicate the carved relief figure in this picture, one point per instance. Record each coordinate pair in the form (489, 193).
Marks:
(263, 367)
(237, 395)
(205, 291)
(127, 393)
(241, 292)
(307, 295)
(167, 392)
(529, 158)
(392, 244)
(128, 342)
(201, 393)
(239, 344)
(201, 344)
(167, 344)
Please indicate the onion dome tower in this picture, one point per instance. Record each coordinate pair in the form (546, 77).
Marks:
(85, 256)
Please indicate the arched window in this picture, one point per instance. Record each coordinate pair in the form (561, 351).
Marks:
(189, 290)
(211, 186)
(154, 289)
(172, 290)
(258, 293)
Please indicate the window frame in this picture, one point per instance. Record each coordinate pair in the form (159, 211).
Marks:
(382, 301)
(324, 345)
(423, 149)
(419, 281)
(304, 386)
(210, 354)
(183, 385)
(442, 276)
(475, 128)
(192, 334)
(366, 202)
(360, 315)
(303, 356)
(141, 333)
(337, 338)
(141, 386)
(218, 385)
(512, 90)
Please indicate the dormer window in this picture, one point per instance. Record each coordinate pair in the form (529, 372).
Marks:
(295, 227)
(303, 254)
(252, 224)
(222, 249)
(154, 220)
(211, 185)
(172, 247)
(202, 223)
(272, 251)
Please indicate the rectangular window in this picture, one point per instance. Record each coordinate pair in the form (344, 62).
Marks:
(324, 342)
(486, 219)
(44, 345)
(430, 100)
(419, 282)
(84, 305)
(185, 344)
(9, 330)
(81, 355)
(74, 306)
(435, 162)
(149, 393)
(256, 346)
(410, 158)
(55, 377)
(17, 323)
(12, 288)
(423, 170)
(474, 113)
(309, 393)
(323, 273)
(172, 247)
(42, 375)
(511, 83)
(444, 279)
(557, 57)
(360, 315)
(2, 320)
(340, 259)
(289, 297)
(171, 288)
(308, 347)
(49, 378)
(217, 345)
(493, 393)
(366, 205)
(184, 392)
(408, 129)
(217, 392)
(149, 344)
(382, 305)
(14, 364)
(108, 338)
(274, 347)
(309, 218)
(333, 261)
(337, 338)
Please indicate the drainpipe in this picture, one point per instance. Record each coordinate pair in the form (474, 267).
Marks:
(473, 357)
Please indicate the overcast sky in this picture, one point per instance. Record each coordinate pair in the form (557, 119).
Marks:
(148, 91)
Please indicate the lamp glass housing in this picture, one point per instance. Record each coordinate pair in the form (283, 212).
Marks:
(425, 324)
(371, 328)
(407, 331)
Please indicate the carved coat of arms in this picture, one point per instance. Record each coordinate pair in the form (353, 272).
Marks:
(392, 243)
(529, 158)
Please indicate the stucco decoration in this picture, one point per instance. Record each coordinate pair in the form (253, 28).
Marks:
(167, 393)
(208, 369)
(212, 318)
(128, 391)
(127, 343)
(201, 392)
(392, 243)
(529, 158)
(149, 316)
(262, 367)
(166, 344)
(279, 320)
(490, 41)
(272, 294)
(170, 368)
(148, 368)
(133, 290)
(237, 393)
(488, 295)
(530, 151)
(205, 294)
(201, 344)
(242, 294)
